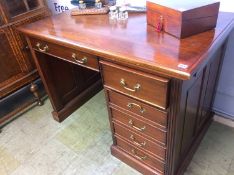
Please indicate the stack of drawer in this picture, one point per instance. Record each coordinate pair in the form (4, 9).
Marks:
(137, 106)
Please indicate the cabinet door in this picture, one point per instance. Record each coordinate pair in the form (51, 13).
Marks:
(15, 8)
(9, 67)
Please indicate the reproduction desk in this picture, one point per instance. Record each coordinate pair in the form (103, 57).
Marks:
(159, 90)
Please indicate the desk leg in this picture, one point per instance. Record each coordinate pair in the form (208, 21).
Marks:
(34, 90)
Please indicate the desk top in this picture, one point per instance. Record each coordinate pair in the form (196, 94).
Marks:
(134, 44)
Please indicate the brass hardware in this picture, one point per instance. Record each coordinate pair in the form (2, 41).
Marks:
(137, 156)
(137, 143)
(130, 105)
(45, 49)
(84, 60)
(124, 84)
(139, 129)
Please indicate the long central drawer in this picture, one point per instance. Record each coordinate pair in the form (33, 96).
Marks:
(68, 54)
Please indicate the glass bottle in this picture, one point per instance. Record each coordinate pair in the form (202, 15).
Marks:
(82, 5)
(98, 4)
(113, 12)
(123, 13)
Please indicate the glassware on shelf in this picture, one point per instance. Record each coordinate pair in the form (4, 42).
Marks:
(98, 4)
(82, 5)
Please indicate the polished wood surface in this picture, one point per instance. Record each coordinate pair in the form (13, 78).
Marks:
(140, 126)
(142, 156)
(184, 6)
(171, 106)
(139, 141)
(182, 19)
(70, 55)
(139, 108)
(136, 84)
(134, 44)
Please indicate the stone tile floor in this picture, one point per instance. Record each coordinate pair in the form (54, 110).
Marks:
(35, 144)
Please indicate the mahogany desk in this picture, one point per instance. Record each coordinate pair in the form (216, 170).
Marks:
(159, 89)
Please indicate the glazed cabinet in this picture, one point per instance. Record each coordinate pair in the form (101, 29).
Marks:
(17, 68)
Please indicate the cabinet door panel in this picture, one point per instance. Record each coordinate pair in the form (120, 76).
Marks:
(208, 90)
(15, 7)
(9, 66)
(18, 7)
(33, 4)
(191, 111)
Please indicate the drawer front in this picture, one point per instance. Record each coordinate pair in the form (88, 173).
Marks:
(139, 108)
(67, 54)
(140, 141)
(145, 87)
(139, 126)
(141, 155)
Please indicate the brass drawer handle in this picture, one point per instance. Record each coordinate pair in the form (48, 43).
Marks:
(45, 49)
(130, 105)
(124, 84)
(137, 143)
(137, 156)
(138, 129)
(84, 60)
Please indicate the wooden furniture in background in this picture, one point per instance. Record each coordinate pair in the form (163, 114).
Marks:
(17, 68)
(159, 89)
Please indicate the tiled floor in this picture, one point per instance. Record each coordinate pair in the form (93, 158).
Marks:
(35, 144)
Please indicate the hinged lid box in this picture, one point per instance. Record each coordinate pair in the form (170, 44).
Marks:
(183, 18)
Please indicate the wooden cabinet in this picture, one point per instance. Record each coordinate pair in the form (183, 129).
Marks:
(17, 67)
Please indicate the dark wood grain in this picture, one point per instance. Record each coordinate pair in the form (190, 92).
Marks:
(149, 159)
(143, 110)
(129, 135)
(133, 45)
(183, 19)
(151, 132)
(178, 100)
(17, 68)
(67, 54)
(149, 84)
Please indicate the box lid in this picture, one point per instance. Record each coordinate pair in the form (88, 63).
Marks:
(184, 5)
(185, 9)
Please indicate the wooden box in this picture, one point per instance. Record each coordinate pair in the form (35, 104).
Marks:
(183, 18)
